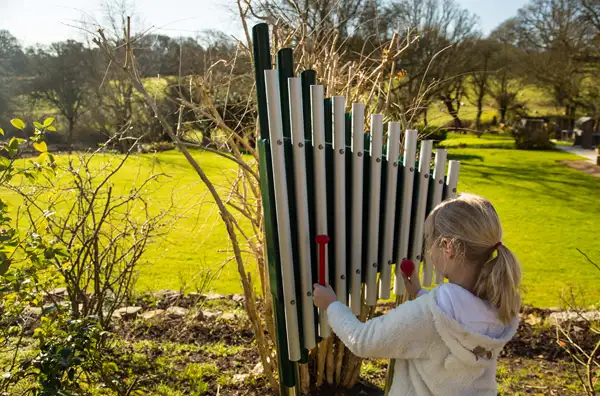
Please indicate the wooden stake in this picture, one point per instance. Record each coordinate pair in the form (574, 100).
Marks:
(339, 359)
(330, 369)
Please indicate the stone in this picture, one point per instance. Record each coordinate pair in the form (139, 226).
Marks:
(210, 315)
(149, 315)
(176, 312)
(199, 316)
(32, 312)
(238, 298)
(239, 378)
(228, 316)
(561, 317)
(127, 312)
(58, 292)
(258, 370)
(213, 296)
(168, 296)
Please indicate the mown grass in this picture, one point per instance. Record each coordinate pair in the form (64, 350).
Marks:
(537, 102)
(196, 244)
(547, 209)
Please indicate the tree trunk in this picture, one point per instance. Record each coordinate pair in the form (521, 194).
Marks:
(425, 116)
(503, 110)
(453, 112)
(479, 111)
(71, 122)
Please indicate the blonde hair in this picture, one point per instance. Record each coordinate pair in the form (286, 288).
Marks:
(472, 226)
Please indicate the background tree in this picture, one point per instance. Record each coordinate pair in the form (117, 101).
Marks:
(483, 52)
(555, 36)
(435, 64)
(12, 64)
(61, 78)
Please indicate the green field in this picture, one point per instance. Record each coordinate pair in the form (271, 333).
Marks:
(547, 210)
(537, 101)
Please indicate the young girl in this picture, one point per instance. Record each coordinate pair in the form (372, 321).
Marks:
(446, 342)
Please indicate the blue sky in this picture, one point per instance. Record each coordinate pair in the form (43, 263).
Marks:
(45, 21)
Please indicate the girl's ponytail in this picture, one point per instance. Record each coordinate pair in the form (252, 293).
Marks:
(498, 283)
(472, 227)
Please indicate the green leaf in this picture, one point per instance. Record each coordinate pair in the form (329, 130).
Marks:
(51, 128)
(1, 132)
(41, 147)
(17, 123)
(4, 263)
(14, 143)
(48, 121)
(4, 164)
(38, 125)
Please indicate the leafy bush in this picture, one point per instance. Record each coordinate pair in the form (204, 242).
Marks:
(156, 147)
(431, 132)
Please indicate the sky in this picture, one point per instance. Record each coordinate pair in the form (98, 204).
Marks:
(46, 21)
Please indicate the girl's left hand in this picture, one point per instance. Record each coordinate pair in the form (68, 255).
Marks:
(323, 296)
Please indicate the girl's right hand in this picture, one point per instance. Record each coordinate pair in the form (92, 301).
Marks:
(412, 284)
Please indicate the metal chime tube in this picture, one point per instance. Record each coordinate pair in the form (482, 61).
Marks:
(420, 212)
(318, 124)
(283, 213)
(391, 182)
(304, 242)
(438, 189)
(374, 205)
(452, 181)
(339, 174)
(410, 150)
(358, 142)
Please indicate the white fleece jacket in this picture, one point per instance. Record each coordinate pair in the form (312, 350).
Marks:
(436, 355)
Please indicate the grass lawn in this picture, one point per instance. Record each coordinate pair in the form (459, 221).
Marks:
(547, 210)
(197, 240)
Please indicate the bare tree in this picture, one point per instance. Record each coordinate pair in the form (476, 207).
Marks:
(62, 78)
(585, 358)
(437, 64)
(483, 52)
(555, 35)
(104, 232)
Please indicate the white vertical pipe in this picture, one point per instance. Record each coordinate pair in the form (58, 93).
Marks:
(318, 125)
(283, 213)
(423, 186)
(374, 204)
(452, 182)
(436, 198)
(410, 152)
(393, 147)
(339, 175)
(304, 242)
(358, 143)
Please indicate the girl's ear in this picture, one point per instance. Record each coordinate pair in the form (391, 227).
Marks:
(448, 249)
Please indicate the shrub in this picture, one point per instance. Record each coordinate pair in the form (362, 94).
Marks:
(156, 147)
(431, 132)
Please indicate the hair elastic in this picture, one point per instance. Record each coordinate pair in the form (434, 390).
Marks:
(496, 246)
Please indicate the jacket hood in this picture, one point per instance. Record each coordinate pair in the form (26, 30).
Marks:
(468, 347)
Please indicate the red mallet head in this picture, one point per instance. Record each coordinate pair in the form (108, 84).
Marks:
(407, 267)
(322, 239)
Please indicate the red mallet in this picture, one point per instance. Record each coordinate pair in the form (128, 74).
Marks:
(322, 240)
(407, 267)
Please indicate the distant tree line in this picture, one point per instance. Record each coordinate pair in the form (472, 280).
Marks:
(552, 44)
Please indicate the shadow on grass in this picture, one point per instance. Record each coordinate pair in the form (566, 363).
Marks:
(544, 180)
(465, 157)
